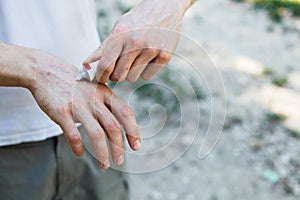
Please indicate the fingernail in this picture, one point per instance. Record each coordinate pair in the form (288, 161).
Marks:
(119, 160)
(105, 164)
(137, 144)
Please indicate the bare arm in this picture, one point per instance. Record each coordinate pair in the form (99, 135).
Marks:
(66, 101)
(11, 58)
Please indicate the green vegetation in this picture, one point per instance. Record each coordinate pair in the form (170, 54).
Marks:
(277, 8)
(274, 117)
(280, 81)
(214, 197)
(101, 14)
(123, 8)
(293, 133)
(267, 72)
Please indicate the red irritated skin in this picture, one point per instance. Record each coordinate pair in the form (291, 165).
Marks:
(66, 101)
(141, 42)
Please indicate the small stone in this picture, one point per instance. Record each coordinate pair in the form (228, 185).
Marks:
(271, 176)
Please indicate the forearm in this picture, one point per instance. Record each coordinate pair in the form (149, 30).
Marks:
(180, 6)
(15, 66)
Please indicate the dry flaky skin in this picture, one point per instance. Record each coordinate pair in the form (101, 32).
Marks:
(141, 42)
(66, 101)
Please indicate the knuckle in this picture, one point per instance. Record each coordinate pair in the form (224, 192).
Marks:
(117, 77)
(79, 105)
(108, 69)
(103, 74)
(114, 127)
(149, 52)
(97, 135)
(64, 110)
(164, 56)
(136, 42)
(105, 64)
(127, 112)
(119, 28)
(70, 104)
(74, 139)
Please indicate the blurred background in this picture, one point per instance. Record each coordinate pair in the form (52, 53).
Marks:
(255, 46)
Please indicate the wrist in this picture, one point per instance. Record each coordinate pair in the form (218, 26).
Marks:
(31, 68)
(186, 4)
(15, 66)
(46, 69)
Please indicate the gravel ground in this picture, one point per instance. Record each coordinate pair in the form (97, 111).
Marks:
(257, 154)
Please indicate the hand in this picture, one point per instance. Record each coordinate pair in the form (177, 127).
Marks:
(141, 43)
(67, 102)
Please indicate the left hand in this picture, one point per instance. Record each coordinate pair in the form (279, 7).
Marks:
(67, 101)
(141, 42)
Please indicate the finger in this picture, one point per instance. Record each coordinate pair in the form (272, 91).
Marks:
(72, 135)
(126, 117)
(156, 65)
(123, 65)
(97, 138)
(111, 52)
(94, 56)
(140, 63)
(113, 132)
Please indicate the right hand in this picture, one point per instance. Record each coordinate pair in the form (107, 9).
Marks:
(95, 106)
(141, 42)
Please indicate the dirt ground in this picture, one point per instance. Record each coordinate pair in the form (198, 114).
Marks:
(256, 156)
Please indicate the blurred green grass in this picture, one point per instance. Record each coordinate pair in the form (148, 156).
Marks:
(277, 8)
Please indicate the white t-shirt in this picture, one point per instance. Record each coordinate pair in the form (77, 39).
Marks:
(64, 28)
